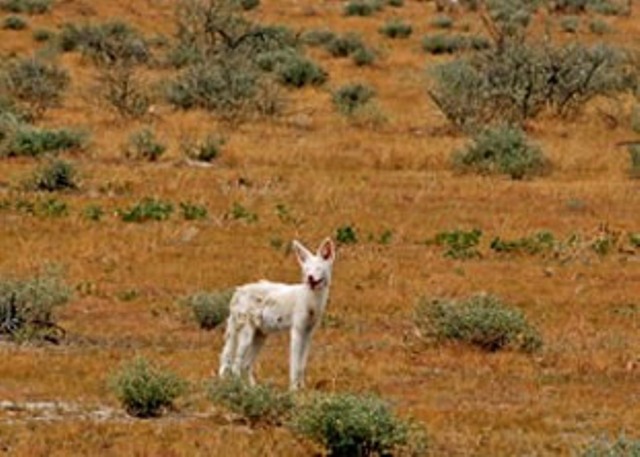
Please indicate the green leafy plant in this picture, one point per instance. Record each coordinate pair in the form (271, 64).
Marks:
(147, 209)
(460, 244)
(144, 145)
(240, 212)
(352, 97)
(27, 307)
(353, 425)
(291, 68)
(540, 242)
(442, 43)
(503, 149)
(255, 404)
(93, 213)
(346, 234)
(360, 8)
(14, 23)
(481, 320)
(144, 389)
(29, 141)
(193, 211)
(210, 309)
(396, 28)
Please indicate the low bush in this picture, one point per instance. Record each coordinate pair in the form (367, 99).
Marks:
(344, 45)
(599, 27)
(147, 209)
(204, 150)
(210, 309)
(143, 145)
(352, 425)
(30, 141)
(248, 5)
(442, 21)
(538, 243)
(396, 28)
(352, 97)
(318, 37)
(41, 35)
(360, 7)
(27, 307)
(122, 89)
(570, 24)
(14, 23)
(442, 43)
(144, 389)
(291, 68)
(255, 404)
(460, 244)
(621, 447)
(193, 211)
(26, 6)
(503, 149)
(54, 175)
(481, 320)
(346, 234)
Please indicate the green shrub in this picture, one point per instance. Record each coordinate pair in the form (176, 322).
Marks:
(143, 145)
(210, 309)
(441, 43)
(147, 209)
(599, 27)
(318, 37)
(396, 28)
(205, 150)
(352, 425)
(352, 97)
(109, 43)
(35, 142)
(240, 212)
(41, 35)
(248, 5)
(621, 447)
(144, 389)
(537, 243)
(27, 307)
(442, 21)
(193, 211)
(570, 24)
(14, 23)
(634, 239)
(634, 158)
(26, 6)
(481, 320)
(346, 234)
(504, 150)
(460, 244)
(359, 8)
(54, 175)
(608, 8)
(291, 68)
(257, 404)
(363, 56)
(52, 207)
(344, 45)
(395, 3)
(121, 88)
(93, 213)
(36, 83)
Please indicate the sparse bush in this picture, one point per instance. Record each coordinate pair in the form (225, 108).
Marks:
(147, 209)
(396, 28)
(363, 56)
(395, 3)
(14, 23)
(481, 320)
(460, 244)
(568, 6)
(29, 141)
(240, 212)
(359, 8)
(570, 24)
(54, 175)
(621, 447)
(318, 37)
(442, 21)
(107, 44)
(344, 45)
(193, 211)
(35, 83)
(352, 97)
(351, 425)
(93, 213)
(503, 149)
(291, 68)
(599, 27)
(210, 309)
(120, 87)
(248, 5)
(634, 157)
(540, 242)
(205, 150)
(634, 239)
(146, 390)
(143, 145)
(346, 234)
(26, 6)
(27, 307)
(443, 43)
(609, 8)
(257, 404)
(52, 207)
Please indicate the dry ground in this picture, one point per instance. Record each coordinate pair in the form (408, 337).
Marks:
(328, 173)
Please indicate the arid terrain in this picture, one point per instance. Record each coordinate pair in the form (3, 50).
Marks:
(304, 175)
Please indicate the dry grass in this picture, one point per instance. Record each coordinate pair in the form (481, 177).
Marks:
(328, 173)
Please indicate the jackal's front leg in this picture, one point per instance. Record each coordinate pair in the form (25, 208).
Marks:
(300, 341)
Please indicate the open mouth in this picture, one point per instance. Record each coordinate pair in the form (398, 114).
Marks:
(315, 283)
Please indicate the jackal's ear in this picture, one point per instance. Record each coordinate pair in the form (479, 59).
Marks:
(302, 253)
(327, 250)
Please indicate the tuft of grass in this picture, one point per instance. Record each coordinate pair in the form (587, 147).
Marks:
(599, 27)
(27, 307)
(147, 209)
(396, 28)
(318, 37)
(193, 211)
(481, 320)
(344, 45)
(28, 141)
(291, 68)
(255, 404)
(240, 212)
(205, 150)
(143, 145)
(248, 5)
(14, 23)
(93, 213)
(570, 24)
(442, 43)
(352, 97)
(26, 6)
(41, 35)
(353, 425)
(346, 234)
(537, 243)
(361, 8)
(210, 309)
(442, 21)
(144, 389)
(503, 149)
(54, 175)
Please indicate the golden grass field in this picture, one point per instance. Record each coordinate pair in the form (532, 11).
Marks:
(328, 172)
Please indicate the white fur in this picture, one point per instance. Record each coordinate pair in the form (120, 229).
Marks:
(265, 307)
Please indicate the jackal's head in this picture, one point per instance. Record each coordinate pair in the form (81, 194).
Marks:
(316, 268)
